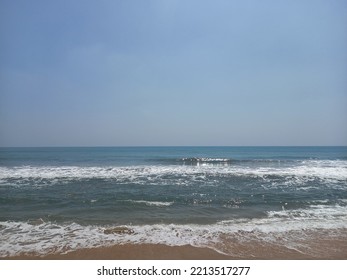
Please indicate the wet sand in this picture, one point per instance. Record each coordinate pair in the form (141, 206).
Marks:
(164, 252)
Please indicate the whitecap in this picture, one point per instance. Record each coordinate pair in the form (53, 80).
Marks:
(152, 203)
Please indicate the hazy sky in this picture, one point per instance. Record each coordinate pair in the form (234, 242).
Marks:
(173, 72)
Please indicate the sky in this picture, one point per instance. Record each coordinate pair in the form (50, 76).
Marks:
(145, 72)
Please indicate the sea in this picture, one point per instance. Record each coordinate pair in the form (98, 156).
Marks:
(57, 200)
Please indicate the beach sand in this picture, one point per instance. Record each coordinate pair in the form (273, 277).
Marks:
(330, 250)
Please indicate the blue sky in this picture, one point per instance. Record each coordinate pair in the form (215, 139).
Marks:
(87, 73)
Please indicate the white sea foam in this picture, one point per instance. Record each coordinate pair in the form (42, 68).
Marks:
(278, 226)
(151, 174)
(152, 203)
(207, 159)
(319, 169)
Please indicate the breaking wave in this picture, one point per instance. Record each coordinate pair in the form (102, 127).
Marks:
(152, 174)
(40, 237)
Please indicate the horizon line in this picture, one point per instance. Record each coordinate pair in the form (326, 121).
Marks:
(167, 146)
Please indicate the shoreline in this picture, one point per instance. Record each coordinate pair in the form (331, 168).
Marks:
(302, 245)
(185, 252)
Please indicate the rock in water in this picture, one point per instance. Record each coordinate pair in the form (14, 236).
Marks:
(119, 230)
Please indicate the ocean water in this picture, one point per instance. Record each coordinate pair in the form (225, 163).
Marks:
(62, 199)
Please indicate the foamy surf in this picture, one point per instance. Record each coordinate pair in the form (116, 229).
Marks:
(286, 226)
(323, 170)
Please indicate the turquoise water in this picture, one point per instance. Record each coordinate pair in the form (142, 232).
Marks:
(56, 198)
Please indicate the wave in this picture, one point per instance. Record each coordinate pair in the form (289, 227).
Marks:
(202, 161)
(175, 174)
(152, 203)
(286, 226)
